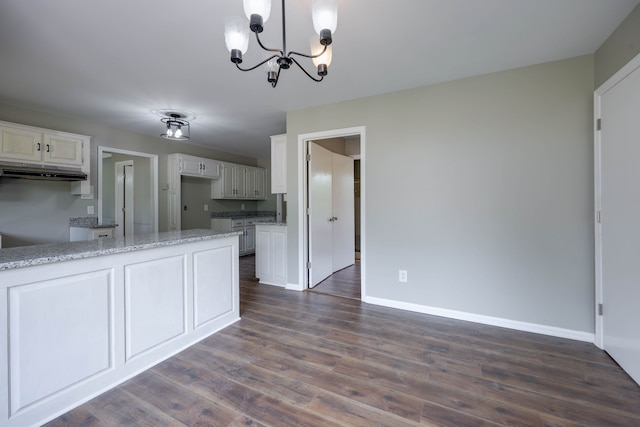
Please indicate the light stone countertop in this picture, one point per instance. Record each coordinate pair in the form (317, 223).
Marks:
(280, 224)
(26, 256)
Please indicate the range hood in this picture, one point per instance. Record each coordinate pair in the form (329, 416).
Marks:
(40, 172)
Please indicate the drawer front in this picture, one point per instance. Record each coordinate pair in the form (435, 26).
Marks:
(238, 223)
(99, 233)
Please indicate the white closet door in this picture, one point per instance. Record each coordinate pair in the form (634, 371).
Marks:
(344, 247)
(620, 165)
(320, 224)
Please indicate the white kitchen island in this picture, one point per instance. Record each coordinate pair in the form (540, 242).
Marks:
(79, 318)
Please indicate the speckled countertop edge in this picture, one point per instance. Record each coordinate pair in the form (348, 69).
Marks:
(279, 224)
(26, 256)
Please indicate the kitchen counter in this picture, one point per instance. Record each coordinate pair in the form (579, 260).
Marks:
(112, 309)
(25, 256)
(243, 214)
(89, 222)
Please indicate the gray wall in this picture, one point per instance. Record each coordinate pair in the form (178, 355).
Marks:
(481, 188)
(621, 47)
(37, 212)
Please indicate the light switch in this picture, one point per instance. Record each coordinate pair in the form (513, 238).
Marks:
(91, 210)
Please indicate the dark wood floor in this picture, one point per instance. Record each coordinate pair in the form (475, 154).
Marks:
(344, 283)
(309, 359)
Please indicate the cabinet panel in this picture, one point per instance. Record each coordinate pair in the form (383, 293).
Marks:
(60, 332)
(62, 150)
(20, 144)
(190, 166)
(213, 284)
(210, 168)
(155, 303)
(279, 164)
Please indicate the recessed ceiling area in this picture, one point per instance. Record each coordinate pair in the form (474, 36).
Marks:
(116, 62)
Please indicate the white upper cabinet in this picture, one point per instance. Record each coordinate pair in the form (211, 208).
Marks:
(41, 146)
(239, 182)
(279, 164)
(198, 166)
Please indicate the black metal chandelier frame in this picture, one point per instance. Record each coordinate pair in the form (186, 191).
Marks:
(283, 60)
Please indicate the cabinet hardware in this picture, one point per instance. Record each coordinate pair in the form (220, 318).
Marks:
(39, 148)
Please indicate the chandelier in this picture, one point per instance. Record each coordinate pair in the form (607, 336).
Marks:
(325, 20)
(177, 127)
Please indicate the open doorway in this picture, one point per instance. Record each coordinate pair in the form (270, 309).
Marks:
(319, 269)
(142, 196)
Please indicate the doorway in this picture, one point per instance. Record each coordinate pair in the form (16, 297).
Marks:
(145, 189)
(351, 275)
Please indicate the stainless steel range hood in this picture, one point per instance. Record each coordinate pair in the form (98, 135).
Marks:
(40, 172)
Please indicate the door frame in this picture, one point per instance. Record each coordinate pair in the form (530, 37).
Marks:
(303, 179)
(625, 71)
(153, 166)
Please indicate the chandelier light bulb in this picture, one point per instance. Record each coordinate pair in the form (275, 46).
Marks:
(257, 7)
(178, 133)
(236, 34)
(169, 131)
(325, 15)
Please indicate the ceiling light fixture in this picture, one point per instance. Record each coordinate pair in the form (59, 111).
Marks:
(236, 34)
(177, 127)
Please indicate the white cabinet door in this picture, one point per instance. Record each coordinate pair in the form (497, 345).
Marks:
(63, 150)
(279, 164)
(20, 144)
(190, 166)
(250, 239)
(210, 168)
(260, 187)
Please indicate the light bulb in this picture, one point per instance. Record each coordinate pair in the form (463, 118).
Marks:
(236, 34)
(316, 48)
(257, 7)
(169, 131)
(178, 133)
(325, 15)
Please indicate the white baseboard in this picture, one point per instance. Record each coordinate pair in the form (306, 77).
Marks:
(485, 320)
(294, 287)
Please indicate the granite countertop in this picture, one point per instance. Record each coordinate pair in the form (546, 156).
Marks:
(88, 222)
(242, 214)
(25, 256)
(279, 224)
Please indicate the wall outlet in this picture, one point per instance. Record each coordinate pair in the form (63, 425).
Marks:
(242, 206)
(91, 210)
(402, 276)
(206, 208)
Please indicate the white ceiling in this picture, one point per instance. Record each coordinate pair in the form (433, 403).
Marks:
(113, 62)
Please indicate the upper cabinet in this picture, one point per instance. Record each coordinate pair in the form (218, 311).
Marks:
(279, 164)
(34, 145)
(198, 166)
(239, 182)
(28, 144)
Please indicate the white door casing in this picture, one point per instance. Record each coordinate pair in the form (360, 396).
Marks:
(320, 214)
(617, 206)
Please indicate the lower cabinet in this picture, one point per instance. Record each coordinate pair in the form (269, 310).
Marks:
(76, 328)
(271, 254)
(247, 228)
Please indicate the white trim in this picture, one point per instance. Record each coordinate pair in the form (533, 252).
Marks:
(153, 158)
(618, 77)
(302, 202)
(485, 320)
(294, 287)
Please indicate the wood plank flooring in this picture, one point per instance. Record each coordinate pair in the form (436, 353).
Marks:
(309, 359)
(343, 283)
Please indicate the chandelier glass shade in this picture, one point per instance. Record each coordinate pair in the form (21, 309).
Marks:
(237, 33)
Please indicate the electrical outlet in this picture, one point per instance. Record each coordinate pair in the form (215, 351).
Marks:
(402, 276)
(242, 206)
(206, 208)
(91, 210)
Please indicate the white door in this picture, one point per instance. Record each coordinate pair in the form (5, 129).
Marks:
(320, 214)
(124, 198)
(344, 248)
(620, 178)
